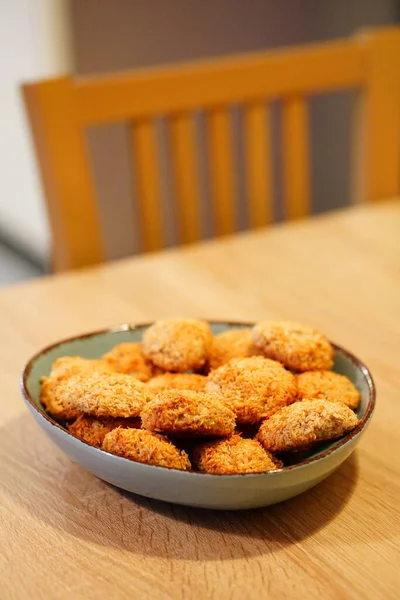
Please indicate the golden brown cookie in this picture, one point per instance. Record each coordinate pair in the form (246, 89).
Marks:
(128, 358)
(66, 366)
(145, 447)
(104, 395)
(303, 424)
(178, 344)
(93, 430)
(53, 403)
(326, 385)
(184, 412)
(233, 343)
(177, 381)
(252, 387)
(62, 369)
(234, 455)
(296, 346)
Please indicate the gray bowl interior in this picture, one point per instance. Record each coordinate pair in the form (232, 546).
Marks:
(94, 346)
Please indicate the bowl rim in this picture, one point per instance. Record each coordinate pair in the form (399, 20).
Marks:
(132, 327)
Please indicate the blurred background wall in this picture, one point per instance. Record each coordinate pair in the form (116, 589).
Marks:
(44, 38)
(34, 41)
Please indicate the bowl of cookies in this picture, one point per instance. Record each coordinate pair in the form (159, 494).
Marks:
(208, 414)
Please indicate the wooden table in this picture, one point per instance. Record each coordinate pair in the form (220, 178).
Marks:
(66, 534)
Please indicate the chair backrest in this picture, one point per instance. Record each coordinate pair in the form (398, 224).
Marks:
(61, 109)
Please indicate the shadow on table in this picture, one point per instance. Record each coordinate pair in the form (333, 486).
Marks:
(51, 488)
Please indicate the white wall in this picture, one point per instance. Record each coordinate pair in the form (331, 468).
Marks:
(34, 42)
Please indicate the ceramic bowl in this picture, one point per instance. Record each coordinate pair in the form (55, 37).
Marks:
(190, 488)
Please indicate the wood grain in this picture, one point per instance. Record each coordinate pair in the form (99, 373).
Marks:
(64, 533)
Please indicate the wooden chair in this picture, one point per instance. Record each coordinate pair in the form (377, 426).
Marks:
(60, 109)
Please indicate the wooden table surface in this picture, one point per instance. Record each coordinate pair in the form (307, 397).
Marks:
(66, 534)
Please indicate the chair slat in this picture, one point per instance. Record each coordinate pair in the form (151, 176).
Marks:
(258, 162)
(185, 170)
(295, 154)
(147, 177)
(221, 165)
(66, 174)
(382, 116)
